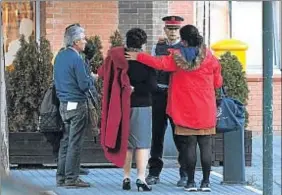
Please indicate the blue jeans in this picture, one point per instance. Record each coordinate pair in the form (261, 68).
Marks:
(75, 123)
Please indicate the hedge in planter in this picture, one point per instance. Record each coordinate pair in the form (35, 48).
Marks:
(95, 63)
(116, 39)
(27, 82)
(97, 59)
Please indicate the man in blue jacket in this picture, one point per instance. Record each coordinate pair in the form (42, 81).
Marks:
(72, 82)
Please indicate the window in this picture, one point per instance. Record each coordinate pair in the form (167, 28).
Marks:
(18, 18)
(245, 27)
(248, 28)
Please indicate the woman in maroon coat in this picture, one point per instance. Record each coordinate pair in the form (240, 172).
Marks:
(196, 73)
(126, 115)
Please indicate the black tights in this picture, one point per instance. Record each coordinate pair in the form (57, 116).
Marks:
(187, 152)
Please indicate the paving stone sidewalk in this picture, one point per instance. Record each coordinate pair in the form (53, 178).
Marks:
(108, 181)
(254, 173)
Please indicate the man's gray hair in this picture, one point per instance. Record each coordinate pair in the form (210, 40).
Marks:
(72, 34)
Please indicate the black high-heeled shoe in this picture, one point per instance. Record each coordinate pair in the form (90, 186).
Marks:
(143, 186)
(126, 184)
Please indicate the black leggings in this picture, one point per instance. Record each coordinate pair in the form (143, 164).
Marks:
(187, 150)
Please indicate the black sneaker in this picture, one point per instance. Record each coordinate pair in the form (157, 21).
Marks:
(182, 182)
(191, 187)
(205, 187)
(152, 180)
(78, 183)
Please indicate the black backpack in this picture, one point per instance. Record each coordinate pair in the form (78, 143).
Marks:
(49, 115)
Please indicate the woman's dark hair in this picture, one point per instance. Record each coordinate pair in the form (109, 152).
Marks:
(135, 38)
(191, 35)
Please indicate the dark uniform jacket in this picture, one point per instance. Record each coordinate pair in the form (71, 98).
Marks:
(162, 76)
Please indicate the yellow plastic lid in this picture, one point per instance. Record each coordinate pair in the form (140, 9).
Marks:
(229, 44)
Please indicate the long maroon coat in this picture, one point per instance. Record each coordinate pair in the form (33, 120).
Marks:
(115, 106)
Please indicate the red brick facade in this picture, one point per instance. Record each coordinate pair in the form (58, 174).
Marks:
(182, 8)
(255, 103)
(98, 18)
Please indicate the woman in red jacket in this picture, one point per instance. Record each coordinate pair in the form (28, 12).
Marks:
(196, 73)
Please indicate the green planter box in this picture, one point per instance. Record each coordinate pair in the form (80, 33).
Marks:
(33, 149)
(218, 151)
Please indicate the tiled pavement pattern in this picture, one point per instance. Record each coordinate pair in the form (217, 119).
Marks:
(108, 182)
(254, 173)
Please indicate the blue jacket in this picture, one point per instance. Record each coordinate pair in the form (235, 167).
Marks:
(72, 80)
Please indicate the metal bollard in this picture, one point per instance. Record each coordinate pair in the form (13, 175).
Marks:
(234, 158)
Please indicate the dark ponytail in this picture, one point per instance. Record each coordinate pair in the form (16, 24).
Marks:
(191, 35)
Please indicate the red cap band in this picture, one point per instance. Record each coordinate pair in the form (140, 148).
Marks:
(173, 22)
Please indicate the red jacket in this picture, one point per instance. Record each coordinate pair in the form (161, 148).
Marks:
(115, 106)
(191, 94)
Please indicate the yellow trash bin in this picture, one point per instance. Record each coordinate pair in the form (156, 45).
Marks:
(236, 47)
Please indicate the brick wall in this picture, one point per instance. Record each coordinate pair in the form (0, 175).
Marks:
(136, 14)
(160, 10)
(148, 14)
(98, 18)
(255, 104)
(104, 17)
(163, 8)
(182, 8)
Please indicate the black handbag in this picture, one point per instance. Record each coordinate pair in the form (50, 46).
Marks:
(49, 115)
(230, 114)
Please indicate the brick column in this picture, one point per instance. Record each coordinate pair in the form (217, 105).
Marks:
(148, 14)
(143, 14)
(136, 14)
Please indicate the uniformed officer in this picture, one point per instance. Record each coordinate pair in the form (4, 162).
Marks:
(160, 118)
